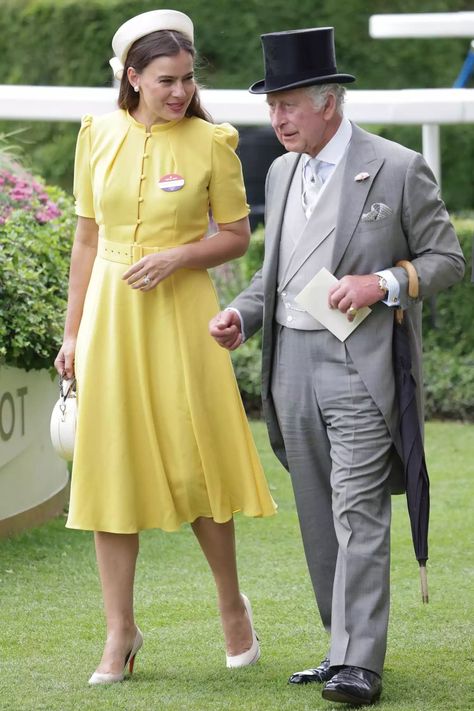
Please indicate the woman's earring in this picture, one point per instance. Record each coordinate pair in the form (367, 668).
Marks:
(136, 89)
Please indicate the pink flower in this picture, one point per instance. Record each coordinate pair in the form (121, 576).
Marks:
(25, 193)
(20, 193)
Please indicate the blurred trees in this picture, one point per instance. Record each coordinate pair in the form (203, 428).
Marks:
(67, 42)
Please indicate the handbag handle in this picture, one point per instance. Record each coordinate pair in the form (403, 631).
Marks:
(67, 388)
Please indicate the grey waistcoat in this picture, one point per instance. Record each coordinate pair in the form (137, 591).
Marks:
(305, 247)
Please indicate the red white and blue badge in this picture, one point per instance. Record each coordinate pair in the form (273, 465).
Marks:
(171, 182)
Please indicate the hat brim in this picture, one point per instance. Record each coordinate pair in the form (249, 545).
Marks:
(260, 88)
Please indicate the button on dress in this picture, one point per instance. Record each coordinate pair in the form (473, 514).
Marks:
(162, 437)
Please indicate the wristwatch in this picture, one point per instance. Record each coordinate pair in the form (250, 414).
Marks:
(383, 286)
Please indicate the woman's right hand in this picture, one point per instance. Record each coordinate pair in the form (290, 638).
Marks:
(64, 362)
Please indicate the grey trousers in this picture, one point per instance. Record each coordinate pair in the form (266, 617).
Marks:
(339, 451)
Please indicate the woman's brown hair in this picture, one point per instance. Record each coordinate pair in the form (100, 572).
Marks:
(163, 43)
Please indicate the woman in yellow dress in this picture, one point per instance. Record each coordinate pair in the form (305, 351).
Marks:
(162, 437)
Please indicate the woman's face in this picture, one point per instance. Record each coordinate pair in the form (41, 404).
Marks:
(166, 86)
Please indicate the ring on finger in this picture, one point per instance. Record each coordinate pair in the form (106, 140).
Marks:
(352, 311)
(146, 279)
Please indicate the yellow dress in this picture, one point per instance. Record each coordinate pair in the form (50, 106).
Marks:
(162, 437)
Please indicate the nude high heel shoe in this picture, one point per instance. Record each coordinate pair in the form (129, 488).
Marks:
(100, 678)
(252, 655)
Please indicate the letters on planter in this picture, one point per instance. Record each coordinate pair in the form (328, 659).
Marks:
(12, 413)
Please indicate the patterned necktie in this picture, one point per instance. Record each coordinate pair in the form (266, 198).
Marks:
(312, 184)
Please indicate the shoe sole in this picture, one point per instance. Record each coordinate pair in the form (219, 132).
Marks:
(345, 698)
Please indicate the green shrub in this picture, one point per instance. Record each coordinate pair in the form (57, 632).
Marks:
(35, 242)
(448, 346)
(453, 309)
(449, 384)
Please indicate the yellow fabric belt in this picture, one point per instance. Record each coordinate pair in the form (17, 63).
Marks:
(124, 253)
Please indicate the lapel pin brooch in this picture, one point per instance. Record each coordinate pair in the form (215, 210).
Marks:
(361, 176)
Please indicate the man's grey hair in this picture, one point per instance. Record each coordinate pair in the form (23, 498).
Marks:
(319, 95)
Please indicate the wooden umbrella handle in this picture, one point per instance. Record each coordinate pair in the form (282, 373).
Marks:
(413, 283)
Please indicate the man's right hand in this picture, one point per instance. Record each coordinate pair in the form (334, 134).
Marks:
(225, 328)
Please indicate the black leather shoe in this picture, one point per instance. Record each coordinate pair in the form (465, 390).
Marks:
(353, 685)
(320, 674)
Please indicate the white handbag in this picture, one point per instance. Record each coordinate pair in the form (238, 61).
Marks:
(63, 419)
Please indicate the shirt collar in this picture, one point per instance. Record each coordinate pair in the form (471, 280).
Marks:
(335, 148)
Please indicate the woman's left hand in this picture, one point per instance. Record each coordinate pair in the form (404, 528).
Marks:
(149, 271)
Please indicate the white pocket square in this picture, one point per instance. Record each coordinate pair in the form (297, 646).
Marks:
(378, 211)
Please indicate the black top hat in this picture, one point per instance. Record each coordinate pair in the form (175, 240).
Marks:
(299, 58)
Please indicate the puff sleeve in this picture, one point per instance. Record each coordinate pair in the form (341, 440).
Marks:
(82, 171)
(226, 187)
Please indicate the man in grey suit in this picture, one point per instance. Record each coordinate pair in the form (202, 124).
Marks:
(356, 204)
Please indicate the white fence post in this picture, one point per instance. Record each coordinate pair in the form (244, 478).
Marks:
(431, 148)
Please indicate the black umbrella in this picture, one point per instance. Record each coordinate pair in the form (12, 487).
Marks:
(416, 474)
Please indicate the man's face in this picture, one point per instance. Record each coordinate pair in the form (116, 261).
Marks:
(298, 125)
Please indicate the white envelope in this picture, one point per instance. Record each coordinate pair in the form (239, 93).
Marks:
(314, 299)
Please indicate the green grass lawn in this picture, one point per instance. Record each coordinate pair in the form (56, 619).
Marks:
(51, 625)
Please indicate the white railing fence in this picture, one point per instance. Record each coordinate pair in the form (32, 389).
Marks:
(429, 108)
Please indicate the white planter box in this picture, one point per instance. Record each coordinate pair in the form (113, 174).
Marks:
(33, 480)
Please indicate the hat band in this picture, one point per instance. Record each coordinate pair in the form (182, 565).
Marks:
(273, 81)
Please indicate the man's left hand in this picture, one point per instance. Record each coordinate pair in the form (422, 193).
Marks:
(353, 292)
